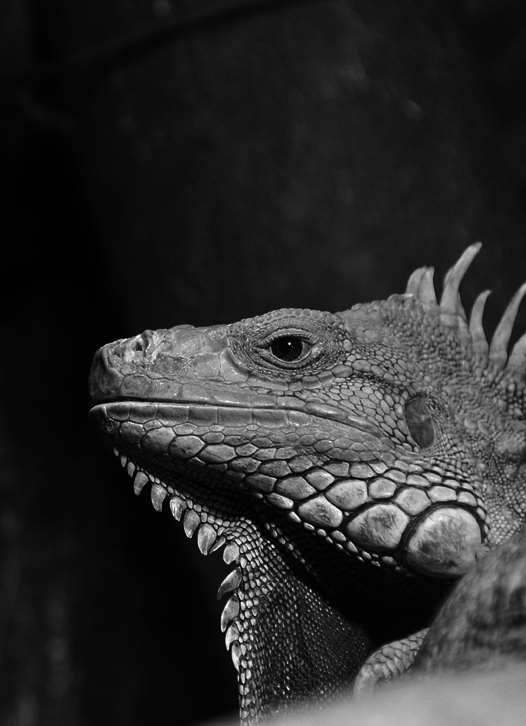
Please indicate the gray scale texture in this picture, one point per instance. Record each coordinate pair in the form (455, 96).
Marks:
(341, 457)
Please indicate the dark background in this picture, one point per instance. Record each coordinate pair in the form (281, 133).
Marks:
(297, 154)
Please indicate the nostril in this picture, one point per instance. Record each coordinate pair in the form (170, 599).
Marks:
(132, 349)
(138, 344)
(141, 343)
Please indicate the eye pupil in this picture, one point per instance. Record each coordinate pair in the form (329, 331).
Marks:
(287, 348)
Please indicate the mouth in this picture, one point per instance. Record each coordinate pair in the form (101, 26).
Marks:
(265, 584)
(242, 480)
(326, 478)
(235, 407)
(280, 457)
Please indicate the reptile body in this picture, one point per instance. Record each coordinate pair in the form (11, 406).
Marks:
(353, 465)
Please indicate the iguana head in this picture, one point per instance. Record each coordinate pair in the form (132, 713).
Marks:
(328, 453)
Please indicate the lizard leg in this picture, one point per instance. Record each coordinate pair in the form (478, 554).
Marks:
(390, 661)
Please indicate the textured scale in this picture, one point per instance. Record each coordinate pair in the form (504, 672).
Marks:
(380, 447)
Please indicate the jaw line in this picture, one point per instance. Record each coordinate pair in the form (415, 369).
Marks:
(296, 415)
(211, 536)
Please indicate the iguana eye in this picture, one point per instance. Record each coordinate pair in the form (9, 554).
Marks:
(289, 348)
(288, 343)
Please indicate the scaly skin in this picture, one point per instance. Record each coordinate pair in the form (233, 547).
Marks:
(482, 625)
(354, 464)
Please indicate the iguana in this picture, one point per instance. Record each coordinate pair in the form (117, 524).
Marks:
(482, 624)
(352, 465)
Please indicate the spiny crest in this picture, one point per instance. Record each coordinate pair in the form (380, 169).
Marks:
(452, 315)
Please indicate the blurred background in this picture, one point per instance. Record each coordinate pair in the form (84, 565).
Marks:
(200, 161)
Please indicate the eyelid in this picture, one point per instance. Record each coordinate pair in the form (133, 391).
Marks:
(305, 349)
(303, 335)
(296, 364)
(321, 338)
(305, 353)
